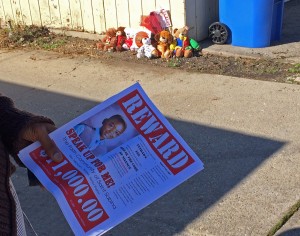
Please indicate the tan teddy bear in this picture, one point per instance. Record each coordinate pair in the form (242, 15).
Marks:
(164, 40)
(181, 45)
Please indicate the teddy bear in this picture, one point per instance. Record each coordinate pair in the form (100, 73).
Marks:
(181, 46)
(129, 32)
(120, 38)
(108, 43)
(147, 49)
(164, 40)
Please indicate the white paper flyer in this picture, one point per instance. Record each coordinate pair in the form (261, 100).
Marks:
(119, 157)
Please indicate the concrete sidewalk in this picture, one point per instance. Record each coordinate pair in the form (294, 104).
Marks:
(246, 132)
(291, 227)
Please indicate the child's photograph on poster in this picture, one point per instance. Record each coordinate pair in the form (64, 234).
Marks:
(105, 130)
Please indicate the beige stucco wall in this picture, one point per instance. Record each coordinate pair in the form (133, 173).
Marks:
(97, 15)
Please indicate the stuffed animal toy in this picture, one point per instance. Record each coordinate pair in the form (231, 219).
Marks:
(195, 45)
(129, 32)
(164, 40)
(147, 50)
(121, 37)
(182, 46)
(108, 43)
(137, 40)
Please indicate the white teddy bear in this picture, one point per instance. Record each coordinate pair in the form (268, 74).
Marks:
(129, 38)
(147, 50)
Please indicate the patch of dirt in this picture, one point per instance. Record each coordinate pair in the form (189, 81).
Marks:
(41, 38)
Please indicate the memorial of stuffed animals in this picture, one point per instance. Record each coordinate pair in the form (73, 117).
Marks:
(155, 39)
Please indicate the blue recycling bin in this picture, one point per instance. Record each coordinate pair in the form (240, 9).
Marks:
(252, 23)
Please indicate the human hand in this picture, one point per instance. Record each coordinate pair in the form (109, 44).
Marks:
(39, 132)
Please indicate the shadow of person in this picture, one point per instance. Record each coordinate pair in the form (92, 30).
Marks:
(291, 232)
(229, 158)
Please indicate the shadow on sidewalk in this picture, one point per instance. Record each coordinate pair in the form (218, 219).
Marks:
(229, 157)
(292, 232)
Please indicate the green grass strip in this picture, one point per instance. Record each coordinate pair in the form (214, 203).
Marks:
(285, 218)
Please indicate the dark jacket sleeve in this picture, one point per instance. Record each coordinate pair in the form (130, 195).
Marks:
(12, 121)
(7, 205)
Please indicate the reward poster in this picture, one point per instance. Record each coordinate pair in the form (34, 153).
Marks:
(119, 157)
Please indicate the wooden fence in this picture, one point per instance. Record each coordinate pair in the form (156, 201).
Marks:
(96, 16)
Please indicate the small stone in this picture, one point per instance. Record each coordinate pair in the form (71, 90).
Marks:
(297, 79)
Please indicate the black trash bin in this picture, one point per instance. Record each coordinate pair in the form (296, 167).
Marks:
(277, 20)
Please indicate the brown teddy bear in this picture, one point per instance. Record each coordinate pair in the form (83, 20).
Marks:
(109, 42)
(164, 40)
(181, 45)
(121, 37)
